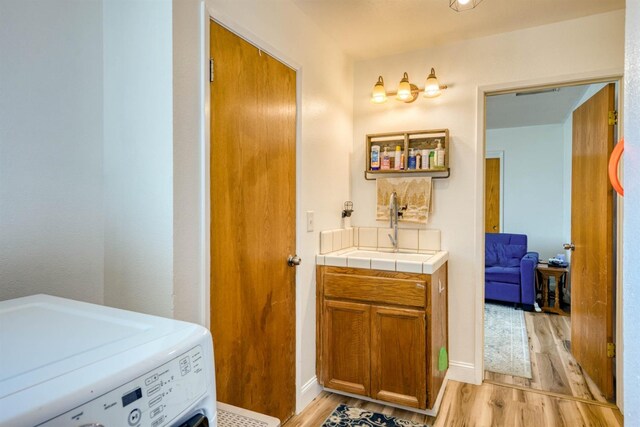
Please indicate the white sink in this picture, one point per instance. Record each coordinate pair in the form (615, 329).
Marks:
(389, 255)
(410, 262)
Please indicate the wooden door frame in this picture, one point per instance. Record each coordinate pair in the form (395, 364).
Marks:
(499, 155)
(605, 76)
(210, 14)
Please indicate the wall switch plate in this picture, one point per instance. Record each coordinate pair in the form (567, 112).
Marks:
(310, 221)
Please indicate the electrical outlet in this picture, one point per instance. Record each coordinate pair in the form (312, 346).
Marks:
(310, 221)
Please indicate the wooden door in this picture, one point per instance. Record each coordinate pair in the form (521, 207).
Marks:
(253, 137)
(346, 346)
(492, 196)
(592, 266)
(398, 358)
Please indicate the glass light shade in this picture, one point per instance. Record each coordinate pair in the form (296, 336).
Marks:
(432, 87)
(404, 88)
(379, 95)
(462, 5)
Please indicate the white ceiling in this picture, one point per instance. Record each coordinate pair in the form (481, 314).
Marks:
(373, 28)
(509, 110)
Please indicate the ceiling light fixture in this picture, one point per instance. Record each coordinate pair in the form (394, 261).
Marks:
(462, 5)
(407, 92)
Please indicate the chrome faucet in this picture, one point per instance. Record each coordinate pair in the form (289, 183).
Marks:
(393, 220)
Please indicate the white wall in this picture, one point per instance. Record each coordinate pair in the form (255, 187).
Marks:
(325, 89)
(533, 184)
(138, 155)
(631, 242)
(51, 194)
(558, 52)
(190, 213)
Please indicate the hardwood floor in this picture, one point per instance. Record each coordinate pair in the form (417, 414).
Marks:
(486, 405)
(552, 366)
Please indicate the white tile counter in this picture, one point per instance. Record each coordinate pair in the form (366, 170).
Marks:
(408, 262)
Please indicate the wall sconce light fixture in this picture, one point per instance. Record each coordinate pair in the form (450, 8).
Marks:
(462, 5)
(407, 92)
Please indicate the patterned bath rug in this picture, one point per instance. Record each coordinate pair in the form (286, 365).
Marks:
(348, 416)
(506, 343)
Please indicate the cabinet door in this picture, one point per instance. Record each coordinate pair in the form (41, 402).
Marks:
(438, 332)
(398, 356)
(346, 346)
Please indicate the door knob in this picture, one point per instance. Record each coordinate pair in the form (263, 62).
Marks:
(293, 260)
(569, 247)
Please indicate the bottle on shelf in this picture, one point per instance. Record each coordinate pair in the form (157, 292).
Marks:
(375, 157)
(432, 159)
(412, 159)
(439, 154)
(425, 159)
(386, 160)
(418, 159)
(397, 164)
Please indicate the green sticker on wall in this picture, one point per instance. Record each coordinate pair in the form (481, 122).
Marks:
(443, 359)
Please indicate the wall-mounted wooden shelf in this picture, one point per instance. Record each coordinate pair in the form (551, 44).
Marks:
(418, 140)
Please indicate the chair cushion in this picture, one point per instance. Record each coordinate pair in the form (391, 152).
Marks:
(502, 274)
(504, 255)
(510, 255)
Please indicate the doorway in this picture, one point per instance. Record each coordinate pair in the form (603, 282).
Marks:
(541, 330)
(253, 219)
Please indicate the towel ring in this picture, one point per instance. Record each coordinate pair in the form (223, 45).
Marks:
(616, 154)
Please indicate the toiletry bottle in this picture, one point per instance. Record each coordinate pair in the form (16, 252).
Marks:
(398, 158)
(412, 159)
(418, 159)
(402, 161)
(432, 159)
(425, 158)
(439, 155)
(386, 160)
(375, 157)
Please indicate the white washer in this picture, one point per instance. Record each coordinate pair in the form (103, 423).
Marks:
(68, 363)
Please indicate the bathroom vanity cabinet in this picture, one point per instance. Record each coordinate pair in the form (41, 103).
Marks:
(380, 333)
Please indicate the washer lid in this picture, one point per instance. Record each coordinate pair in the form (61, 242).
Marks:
(42, 337)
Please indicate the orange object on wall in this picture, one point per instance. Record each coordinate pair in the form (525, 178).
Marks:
(616, 154)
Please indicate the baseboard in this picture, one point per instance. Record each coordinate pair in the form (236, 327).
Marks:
(463, 372)
(309, 391)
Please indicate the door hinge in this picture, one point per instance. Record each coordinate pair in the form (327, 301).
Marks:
(613, 118)
(211, 70)
(611, 349)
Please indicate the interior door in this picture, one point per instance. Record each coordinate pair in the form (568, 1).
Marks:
(592, 262)
(253, 137)
(492, 196)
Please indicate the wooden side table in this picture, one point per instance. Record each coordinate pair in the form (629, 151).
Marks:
(543, 272)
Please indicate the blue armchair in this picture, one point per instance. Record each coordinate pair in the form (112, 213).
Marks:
(509, 269)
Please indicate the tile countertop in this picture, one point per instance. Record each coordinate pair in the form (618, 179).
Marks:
(409, 262)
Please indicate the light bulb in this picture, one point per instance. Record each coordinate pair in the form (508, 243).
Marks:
(378, 95)
(432, 87)
(463, 2)
(404, 88)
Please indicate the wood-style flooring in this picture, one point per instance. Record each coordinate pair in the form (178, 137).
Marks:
(553, 368)
(486, 405)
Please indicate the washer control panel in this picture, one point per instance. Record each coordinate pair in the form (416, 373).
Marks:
(153, 399)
